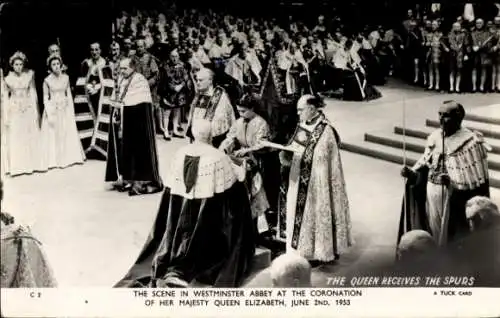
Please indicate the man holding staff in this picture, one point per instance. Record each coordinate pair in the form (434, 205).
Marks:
(452, 170)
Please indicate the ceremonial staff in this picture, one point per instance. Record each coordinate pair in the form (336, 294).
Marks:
(444, 220)
(113, 25)
(117, 105)
(405, 180)
(404, 148)
(2, 5)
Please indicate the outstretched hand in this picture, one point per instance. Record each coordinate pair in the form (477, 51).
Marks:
(240, 153)
(444, 179)
(6, 218)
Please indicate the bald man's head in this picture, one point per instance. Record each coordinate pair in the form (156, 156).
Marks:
(414, 244)
(95, 50)
(127, 67)
(175, 56)
(451, 115)
(54, 50)
(140, 46)
(204, 79)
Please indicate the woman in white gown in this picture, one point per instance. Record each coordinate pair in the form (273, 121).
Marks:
(20, 122)
(61, 144)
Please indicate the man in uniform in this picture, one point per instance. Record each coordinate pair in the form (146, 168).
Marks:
(496, 56)
(458, 41)
(482, 42)
(174, 91)
(114, 61)
(146, 65)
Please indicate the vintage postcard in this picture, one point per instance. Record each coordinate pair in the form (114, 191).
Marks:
(251, 158)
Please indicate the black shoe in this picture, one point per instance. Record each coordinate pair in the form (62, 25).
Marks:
(315, 263)
(134, 191)
(125, 187)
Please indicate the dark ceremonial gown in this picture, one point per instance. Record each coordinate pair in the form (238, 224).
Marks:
(279, 109)
(133, 155)
(92, 112)
(465, 163)
(203, 229)
(356, 87)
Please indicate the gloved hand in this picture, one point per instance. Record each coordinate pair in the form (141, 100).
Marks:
(408, 173)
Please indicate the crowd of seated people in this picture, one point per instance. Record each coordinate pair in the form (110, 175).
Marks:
(238, 49)
(330, 56)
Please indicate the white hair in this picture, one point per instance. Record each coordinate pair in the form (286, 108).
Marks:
(482, 211)
(304, 100)
(415, 243)
(202, 130)
(290, 270)
(206, 72)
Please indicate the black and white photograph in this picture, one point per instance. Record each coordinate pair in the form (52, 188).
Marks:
(178, 145)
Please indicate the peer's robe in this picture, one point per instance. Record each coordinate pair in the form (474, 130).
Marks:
(203, 230)
(132, 150)
(466, 164)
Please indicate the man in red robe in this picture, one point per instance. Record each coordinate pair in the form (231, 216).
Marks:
(132, 157)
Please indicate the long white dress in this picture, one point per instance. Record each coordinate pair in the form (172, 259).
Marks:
(60, 141)
(3, 146)
(20, 125)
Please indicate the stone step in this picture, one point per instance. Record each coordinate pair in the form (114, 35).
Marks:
(423, 132)
(417, 145)
(488, 130)
(495, 195)
(395, 155)
(483, 119)
(382, 152)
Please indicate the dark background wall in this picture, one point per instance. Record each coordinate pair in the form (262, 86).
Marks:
(31, 26)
